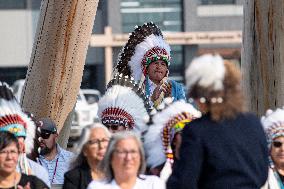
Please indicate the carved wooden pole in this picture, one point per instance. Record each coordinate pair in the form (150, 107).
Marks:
(262, 56)
(58, 57)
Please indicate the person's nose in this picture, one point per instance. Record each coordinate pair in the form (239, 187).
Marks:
(282, 147)
(128, 156)
(158, 66)
(9, 155)
(101, 145)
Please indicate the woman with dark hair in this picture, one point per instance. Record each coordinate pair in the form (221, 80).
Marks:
(9, 155)
(91, 149)
(124, 165)
(226, 147)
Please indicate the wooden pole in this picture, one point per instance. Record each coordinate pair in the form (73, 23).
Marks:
(262, 54)
(56, 65)
(108, 54)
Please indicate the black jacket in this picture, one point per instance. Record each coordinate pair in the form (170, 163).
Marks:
(77, 178)
(230, 154)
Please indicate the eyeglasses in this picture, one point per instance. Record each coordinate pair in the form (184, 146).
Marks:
(97, 142)
(123, 153)
(277, 144)
(4, 153)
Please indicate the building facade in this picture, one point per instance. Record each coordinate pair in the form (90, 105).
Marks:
(18, 20)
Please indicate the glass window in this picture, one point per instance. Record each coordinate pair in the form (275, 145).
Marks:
(13, 4)
(217, 2)
(167, 14)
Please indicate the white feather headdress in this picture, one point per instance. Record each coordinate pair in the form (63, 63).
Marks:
(138, 61)
(273, 123)
(145, 45)
(13, 119)
(124, 104)
(160, 134)
(206, 71)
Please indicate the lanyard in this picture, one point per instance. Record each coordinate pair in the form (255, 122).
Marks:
(54, 172)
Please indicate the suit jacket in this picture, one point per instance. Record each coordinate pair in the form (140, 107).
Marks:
(77, 178)
(229, 154)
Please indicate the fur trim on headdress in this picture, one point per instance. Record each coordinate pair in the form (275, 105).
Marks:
(13, 119)
(206, 71)
(124, 104)
(273, 123)
(145, 45)
(165, 125)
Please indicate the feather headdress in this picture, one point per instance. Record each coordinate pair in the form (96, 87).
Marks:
(273, 123)
(13, 119)
(206, 71)
(145, 45)
(166, 124)
(124, 104)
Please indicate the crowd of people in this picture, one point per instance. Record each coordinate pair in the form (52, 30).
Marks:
(151, 133)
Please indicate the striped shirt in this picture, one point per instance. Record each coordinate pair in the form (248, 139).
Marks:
(58, 166)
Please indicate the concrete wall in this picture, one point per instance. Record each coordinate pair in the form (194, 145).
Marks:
(212, 17)
(16, 36)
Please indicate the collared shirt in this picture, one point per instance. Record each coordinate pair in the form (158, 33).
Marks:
(39, 171)
(57, 167)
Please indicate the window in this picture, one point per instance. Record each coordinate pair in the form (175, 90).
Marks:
(217, 2)
(13, 4)
(167, 14)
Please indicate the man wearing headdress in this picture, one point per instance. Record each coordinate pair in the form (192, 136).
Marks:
(146, 57)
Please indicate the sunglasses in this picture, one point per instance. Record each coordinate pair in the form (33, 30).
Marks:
(277, 144)
(46, 134)
(116, 128)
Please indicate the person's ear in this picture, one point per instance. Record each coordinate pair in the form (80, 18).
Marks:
(84, 151)
(56, 136)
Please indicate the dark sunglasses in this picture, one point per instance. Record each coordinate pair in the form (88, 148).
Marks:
(116, 127)
(46, 134)
(277, 144)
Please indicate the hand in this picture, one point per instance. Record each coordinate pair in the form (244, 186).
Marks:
(165, 87)
(156, 93)
(27, 186)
